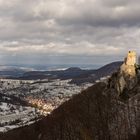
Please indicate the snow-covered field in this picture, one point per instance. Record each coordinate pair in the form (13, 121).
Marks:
(44, 95)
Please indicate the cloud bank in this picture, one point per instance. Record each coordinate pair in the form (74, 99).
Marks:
(68, 31)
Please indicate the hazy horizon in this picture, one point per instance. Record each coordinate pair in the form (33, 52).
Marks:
(53, 66)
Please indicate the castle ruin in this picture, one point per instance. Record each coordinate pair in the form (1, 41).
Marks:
(126, 77)
(131, 58)
(128, 68)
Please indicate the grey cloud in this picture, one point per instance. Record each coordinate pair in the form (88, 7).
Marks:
(45, 29)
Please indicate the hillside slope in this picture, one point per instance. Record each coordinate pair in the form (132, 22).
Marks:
(93, 75)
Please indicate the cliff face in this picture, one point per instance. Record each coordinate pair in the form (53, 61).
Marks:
(98, 113)
(126, 77)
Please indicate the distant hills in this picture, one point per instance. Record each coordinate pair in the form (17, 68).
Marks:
(12, 71)
(77, 75)
(93, 75)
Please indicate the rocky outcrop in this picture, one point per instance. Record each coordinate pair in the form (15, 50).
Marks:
(126, 77)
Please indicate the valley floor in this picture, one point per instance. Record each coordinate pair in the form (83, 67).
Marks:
(23, 101)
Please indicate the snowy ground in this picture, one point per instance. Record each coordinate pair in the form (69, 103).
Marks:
(43, 94)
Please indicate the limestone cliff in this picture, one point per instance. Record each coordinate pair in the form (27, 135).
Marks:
(126, 77)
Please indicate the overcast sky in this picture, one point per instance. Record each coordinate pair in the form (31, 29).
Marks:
(68, 31)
